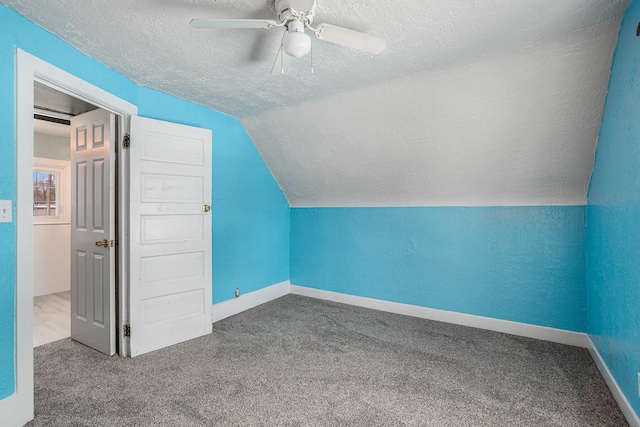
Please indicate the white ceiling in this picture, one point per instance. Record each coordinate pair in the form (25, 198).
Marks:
(474, 102)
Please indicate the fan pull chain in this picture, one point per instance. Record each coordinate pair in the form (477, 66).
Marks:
(281, 60)
(311, 59)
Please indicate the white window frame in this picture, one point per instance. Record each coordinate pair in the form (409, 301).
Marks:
(60, 167)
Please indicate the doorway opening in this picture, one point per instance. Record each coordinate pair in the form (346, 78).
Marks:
(18, 408)
(52, 201)
(164, 237)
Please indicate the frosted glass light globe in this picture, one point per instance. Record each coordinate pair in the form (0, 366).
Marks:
(296, 43)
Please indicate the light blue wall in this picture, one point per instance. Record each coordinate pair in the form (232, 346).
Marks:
(613, 219)
(250, 214)
(524, 264)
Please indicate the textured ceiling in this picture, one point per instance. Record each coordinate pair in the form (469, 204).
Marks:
(474, 102)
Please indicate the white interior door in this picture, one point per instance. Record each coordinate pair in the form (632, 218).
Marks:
(92, 231)
(170, 220)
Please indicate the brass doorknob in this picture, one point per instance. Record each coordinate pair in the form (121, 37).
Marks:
(206, 208)
(104, 243)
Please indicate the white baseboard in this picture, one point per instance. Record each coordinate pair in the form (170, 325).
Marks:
(577, 339)
(228, 308)
(625, 406)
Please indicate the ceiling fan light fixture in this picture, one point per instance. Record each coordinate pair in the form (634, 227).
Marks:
(296, 43)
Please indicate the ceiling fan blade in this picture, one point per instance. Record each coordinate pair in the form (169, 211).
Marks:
(303, 6)
(224, 24)
(281, 64)
(350, 38)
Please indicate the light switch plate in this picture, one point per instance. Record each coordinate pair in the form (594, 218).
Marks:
(5, 211)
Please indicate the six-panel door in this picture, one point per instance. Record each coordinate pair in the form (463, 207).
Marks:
(92, 230)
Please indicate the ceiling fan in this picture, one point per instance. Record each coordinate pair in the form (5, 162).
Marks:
(296, 16)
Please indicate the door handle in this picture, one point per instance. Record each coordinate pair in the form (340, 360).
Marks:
(206, 208)
(104, 243)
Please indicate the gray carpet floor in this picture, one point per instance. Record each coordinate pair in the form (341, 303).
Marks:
(299, 361)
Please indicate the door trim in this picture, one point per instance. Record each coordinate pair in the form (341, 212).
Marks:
(17, 409)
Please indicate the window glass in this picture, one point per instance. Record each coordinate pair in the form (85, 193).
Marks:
(45, 186)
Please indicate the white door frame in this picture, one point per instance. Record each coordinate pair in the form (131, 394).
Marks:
(17, 409)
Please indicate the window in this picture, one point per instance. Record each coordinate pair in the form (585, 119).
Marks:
(50, 191)
(45, 190)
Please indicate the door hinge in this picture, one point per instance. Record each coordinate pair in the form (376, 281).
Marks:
(126, 330)
(126, 140)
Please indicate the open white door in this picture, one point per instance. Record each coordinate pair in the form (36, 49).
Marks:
(170, 220)
(92, 231)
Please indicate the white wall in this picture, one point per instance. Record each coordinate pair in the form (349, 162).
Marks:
(51, 147)
(52, 242)
(51, 258)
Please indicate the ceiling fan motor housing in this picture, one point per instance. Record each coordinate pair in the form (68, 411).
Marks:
(283, 11)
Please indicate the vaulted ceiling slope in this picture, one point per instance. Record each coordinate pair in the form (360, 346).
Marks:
(489, 102)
